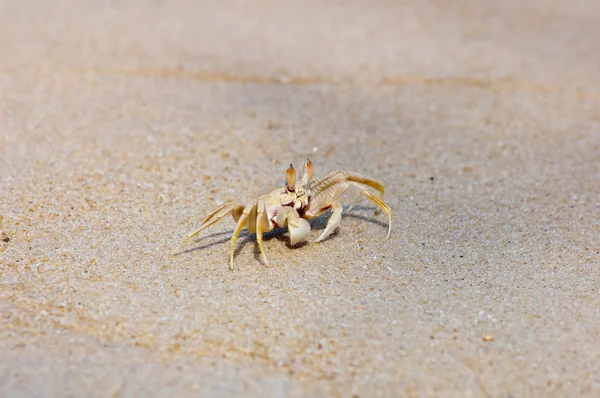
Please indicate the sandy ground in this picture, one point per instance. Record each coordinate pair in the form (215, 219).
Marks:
(122, 124)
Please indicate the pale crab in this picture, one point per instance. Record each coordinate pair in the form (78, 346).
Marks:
(293, 204)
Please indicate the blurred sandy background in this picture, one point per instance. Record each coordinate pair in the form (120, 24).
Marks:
(122, 124)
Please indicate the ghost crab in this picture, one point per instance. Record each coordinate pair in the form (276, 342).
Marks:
(293, 204)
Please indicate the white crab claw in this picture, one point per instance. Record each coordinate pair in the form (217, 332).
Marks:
(300, 232)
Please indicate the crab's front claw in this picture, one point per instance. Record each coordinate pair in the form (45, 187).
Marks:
(299, 233)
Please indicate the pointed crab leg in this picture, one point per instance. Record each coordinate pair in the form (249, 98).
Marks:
(381, 204)
(366, 181)
(240, 225)
(338, 178)
(327, 189)
(334, 220)
(211, 219)
(260, 220)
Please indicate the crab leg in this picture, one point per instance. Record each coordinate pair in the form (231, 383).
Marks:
(334, 220)
(240, 225)
(380, 203)
(211, 219)
(366, 181)
(260, 220)
(218, 216)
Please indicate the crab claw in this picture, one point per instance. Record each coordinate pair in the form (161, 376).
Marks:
(300, 232)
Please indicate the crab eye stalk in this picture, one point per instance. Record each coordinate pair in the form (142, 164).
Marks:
(308, 173)
(308, 169)
(290, 175)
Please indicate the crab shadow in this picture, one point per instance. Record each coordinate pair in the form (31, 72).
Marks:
(320, 222)
(207, 245)
(246, 237)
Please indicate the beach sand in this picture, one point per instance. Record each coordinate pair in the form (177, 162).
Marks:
(122, 125)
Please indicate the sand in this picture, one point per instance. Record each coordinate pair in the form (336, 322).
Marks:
(123, 124)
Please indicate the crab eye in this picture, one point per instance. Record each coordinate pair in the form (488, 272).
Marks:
(290, 175)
